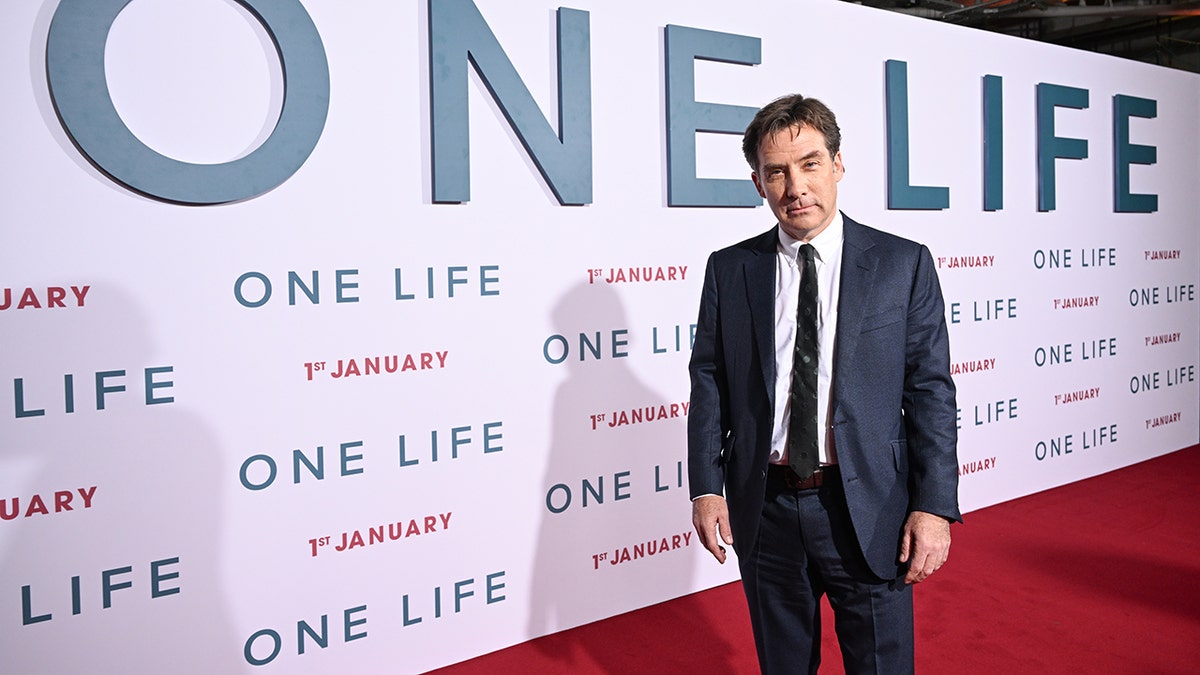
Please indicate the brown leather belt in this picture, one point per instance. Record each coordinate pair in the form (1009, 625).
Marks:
(782, 476)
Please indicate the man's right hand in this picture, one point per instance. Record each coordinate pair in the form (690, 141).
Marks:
(710, 516)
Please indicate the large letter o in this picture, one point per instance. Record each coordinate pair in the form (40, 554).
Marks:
(75, 70)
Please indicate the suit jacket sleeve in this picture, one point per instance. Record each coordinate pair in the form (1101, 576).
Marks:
(707, 412)
(930, 411)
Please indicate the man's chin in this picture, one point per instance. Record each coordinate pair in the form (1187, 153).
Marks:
(801, 228)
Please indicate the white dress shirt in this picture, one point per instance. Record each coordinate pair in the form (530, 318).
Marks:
(828, 245)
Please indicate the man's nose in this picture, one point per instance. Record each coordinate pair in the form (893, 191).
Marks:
(796, 186)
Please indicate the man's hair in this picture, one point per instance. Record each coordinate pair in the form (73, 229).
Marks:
(787, 112)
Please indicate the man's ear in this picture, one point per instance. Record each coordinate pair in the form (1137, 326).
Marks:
(757, 185)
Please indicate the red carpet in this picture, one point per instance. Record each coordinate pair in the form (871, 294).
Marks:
(1100, 576)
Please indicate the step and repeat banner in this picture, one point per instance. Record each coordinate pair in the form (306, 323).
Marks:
(345, 338)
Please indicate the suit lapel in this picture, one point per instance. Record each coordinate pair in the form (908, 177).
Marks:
(859, 263)
(760, 296)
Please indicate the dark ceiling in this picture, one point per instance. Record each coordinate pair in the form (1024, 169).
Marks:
(1162, 32)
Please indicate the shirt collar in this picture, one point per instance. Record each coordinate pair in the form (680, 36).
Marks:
(827, 243)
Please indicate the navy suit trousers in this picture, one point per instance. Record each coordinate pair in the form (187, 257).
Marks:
(806, 548)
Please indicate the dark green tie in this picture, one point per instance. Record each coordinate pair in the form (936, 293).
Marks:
(802, 427)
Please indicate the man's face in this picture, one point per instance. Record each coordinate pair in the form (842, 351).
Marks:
(799, 180)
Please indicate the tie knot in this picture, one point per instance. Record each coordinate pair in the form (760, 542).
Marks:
(807, 252)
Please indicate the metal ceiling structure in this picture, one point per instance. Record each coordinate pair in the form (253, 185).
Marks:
(1162, 32)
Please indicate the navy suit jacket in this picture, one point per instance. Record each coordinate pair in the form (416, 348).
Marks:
(893, 407)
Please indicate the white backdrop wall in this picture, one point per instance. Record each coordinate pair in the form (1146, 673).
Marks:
(188, 485)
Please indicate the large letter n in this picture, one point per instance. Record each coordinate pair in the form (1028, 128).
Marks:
(458, 34)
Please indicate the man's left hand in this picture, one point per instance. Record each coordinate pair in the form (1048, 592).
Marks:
(925, 545)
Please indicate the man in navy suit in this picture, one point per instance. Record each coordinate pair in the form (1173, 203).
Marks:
(874, 517)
